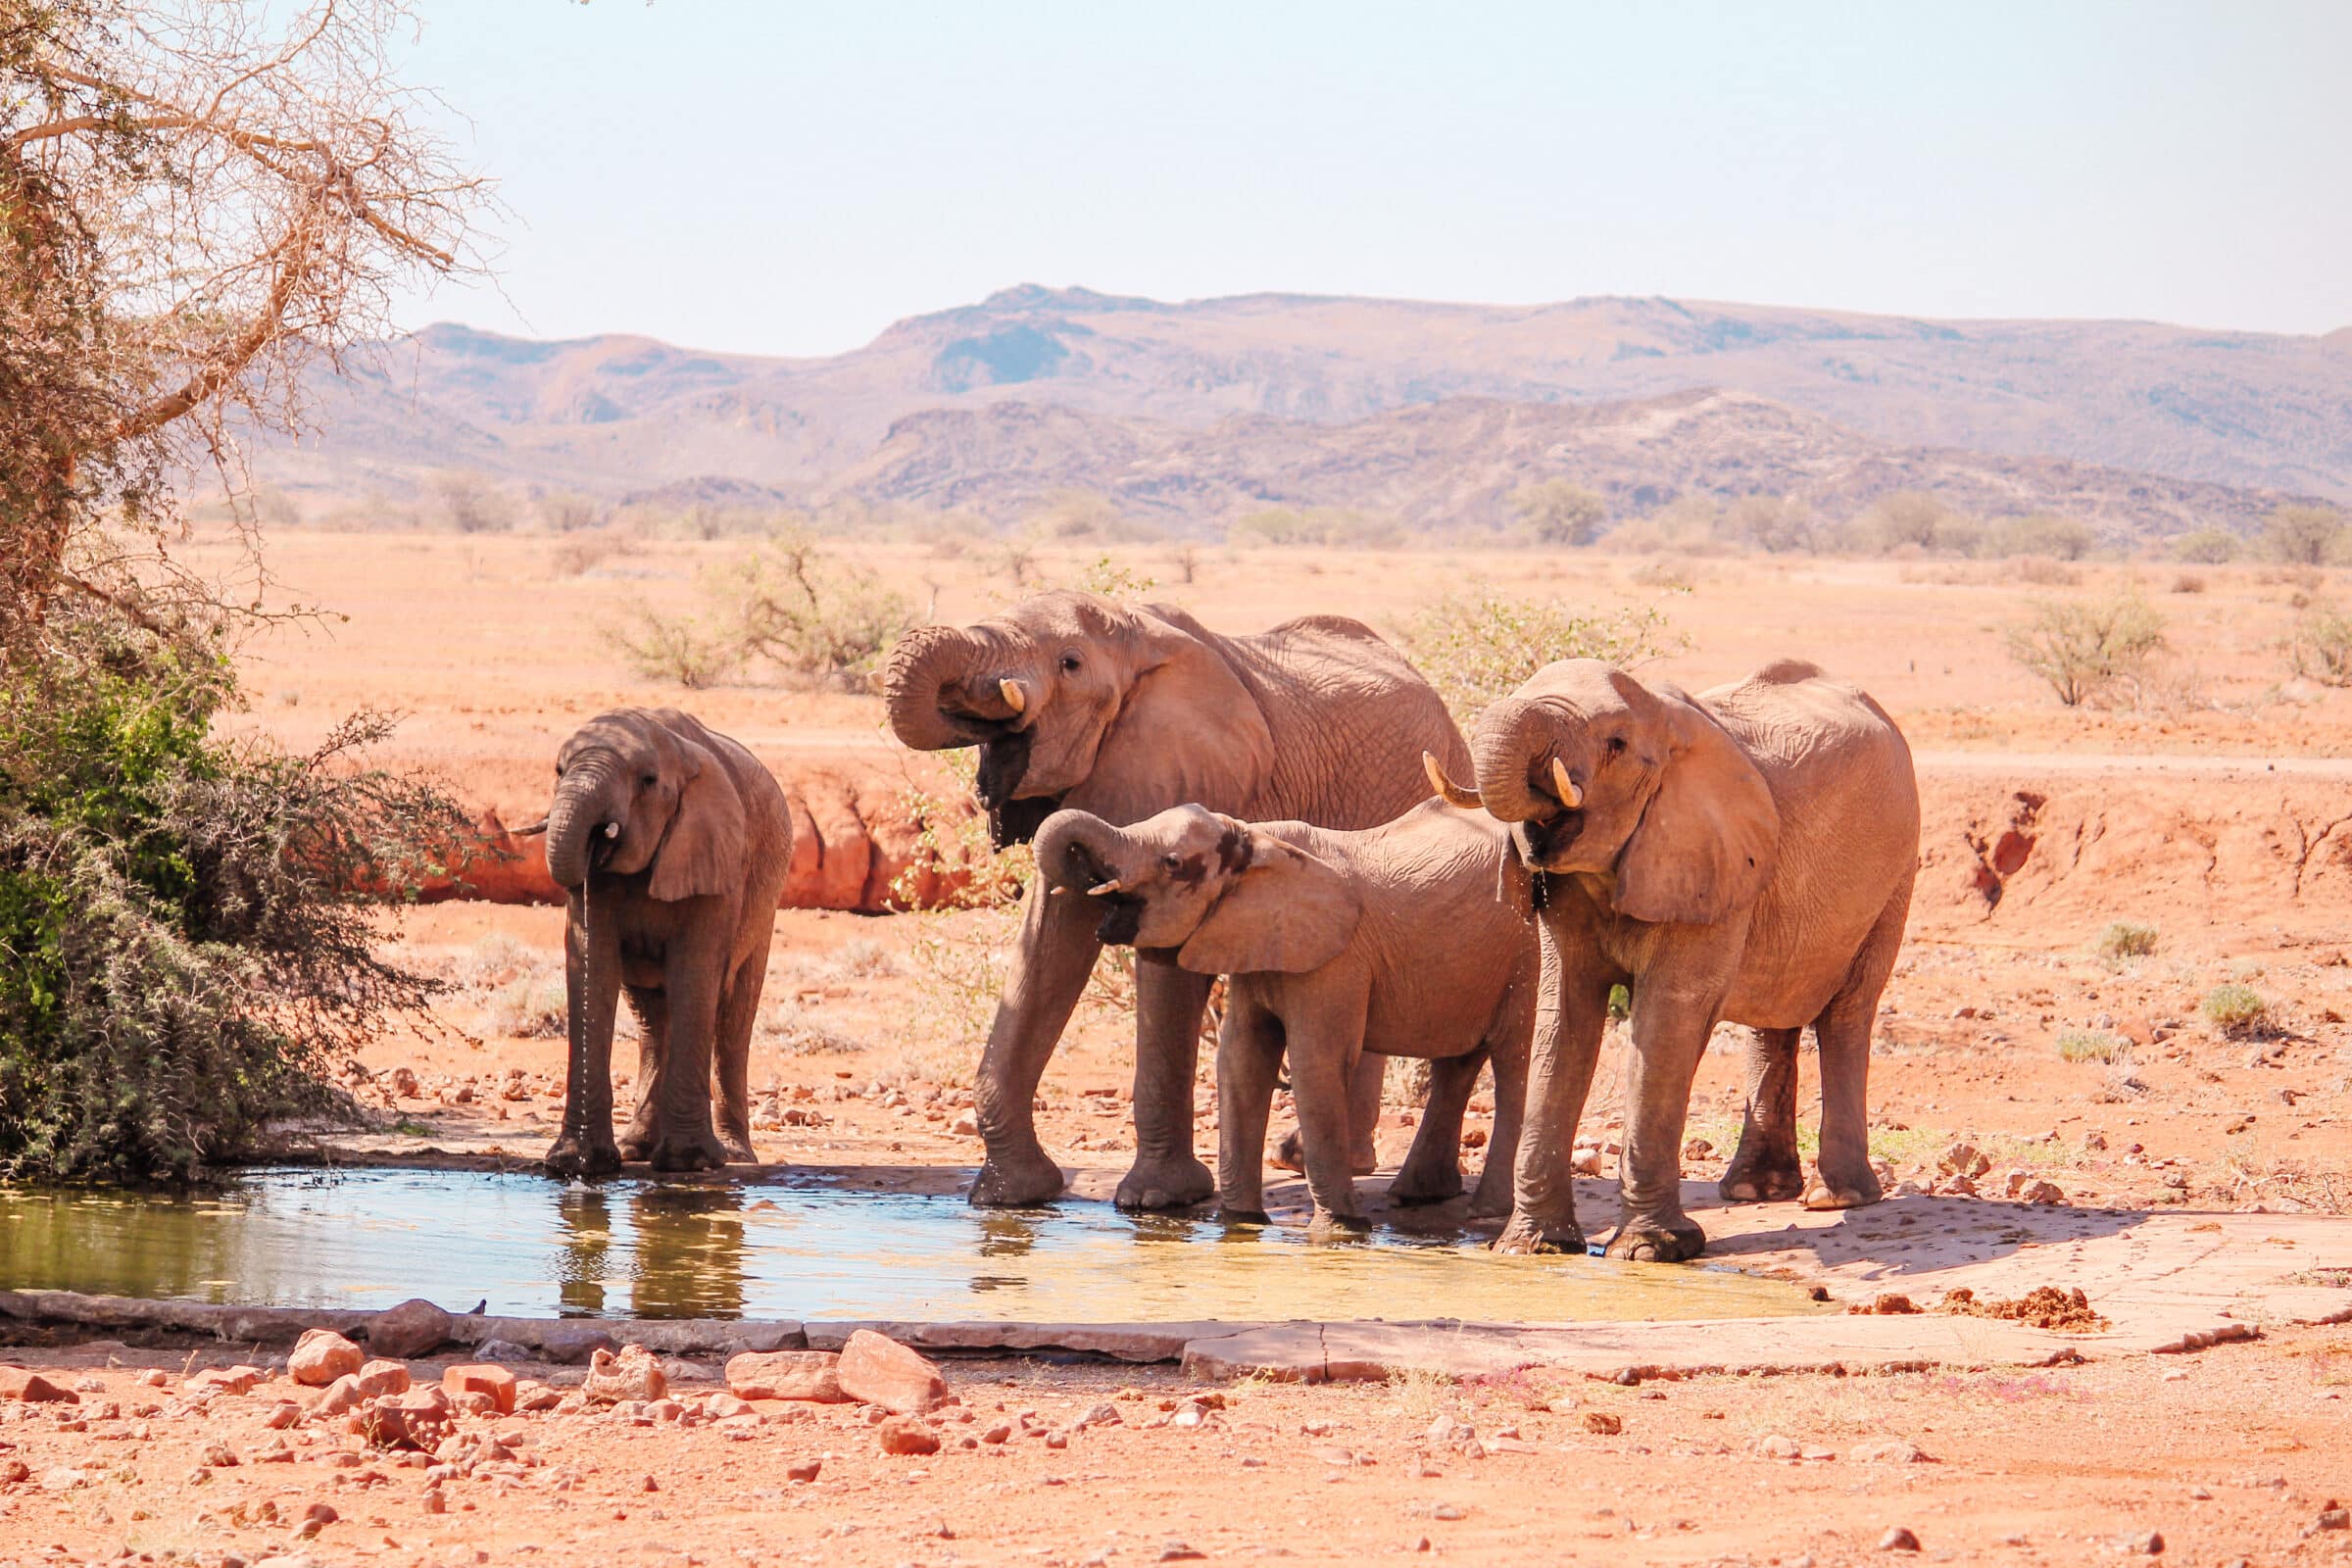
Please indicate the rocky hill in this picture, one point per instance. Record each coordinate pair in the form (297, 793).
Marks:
(1423, 409)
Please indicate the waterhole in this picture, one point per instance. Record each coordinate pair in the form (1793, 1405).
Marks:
(531, 1247)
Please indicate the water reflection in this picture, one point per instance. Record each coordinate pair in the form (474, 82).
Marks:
(689, 1251)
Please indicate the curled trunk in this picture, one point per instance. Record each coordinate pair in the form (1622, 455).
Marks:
(940, 688)
(1077, 849)
(576, 812)
(1511, 735)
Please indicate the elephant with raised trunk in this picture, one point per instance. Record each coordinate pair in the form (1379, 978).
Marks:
(1124, 710)
(672, 843)
(1748, 854)
(1388, 942)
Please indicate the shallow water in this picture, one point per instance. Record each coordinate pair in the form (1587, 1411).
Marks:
(533, 1246)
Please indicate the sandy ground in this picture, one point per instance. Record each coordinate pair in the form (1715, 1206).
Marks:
(2006, 1026)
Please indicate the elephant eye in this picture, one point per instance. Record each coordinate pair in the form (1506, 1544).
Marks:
(1069, 663)
(647, 781)
(1170, 862)
(1616, 745)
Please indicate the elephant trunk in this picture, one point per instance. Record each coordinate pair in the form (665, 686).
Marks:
(580, 811)
(1077, 851)
(946, 686)
(1512, 736)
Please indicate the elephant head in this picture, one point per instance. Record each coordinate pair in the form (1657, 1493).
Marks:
(1227, 897)
(634, 788)
(1047, 691)
(1603, 775)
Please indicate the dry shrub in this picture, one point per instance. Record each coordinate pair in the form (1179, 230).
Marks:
(1479, 645)
(2320, 649)
(2189, 582)
(583, 553)
(2044, 572)
(2089, 652)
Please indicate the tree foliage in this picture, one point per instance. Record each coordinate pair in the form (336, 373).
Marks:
(1560, 513)
(1481, 644)
(2087, 652)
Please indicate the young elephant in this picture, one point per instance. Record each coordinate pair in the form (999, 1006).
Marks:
(673, 843)
(1746, 854)
(1337, 945)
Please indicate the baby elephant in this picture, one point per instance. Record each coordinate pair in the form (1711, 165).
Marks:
(1387, 940)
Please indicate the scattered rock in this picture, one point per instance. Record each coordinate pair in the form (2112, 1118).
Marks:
(1893, 1303)
(1585, 1161)
(1961, 1159)
(2045, 1307)
(632, 1373)
(1699, 1148)
(321, 1356)
(573, 1343)
(16, 1383)
(1178, 1552)
(786, 1375)
(2334, 1519)
(285, 1414)
(1893, 1450)
(1900, 1539)
(1104, 1414)
(420, 1419)
(2150, 1545)
(1603, 1423)
(343, 1396)
(14, 1471)
(1777, 1446)
(410, 1329)
(315, 1518)
(495, 1381)
(224, 1380)
(380, 1380)
(902, 1434)
(879, 1370)
(803, 1470)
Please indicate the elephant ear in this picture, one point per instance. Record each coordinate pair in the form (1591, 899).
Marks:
(1710, 840)
(1188, 729)
(702, 852)
(1286, 912)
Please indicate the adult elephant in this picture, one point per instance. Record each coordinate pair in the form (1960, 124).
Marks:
(1124, 710)
(1746, 854)
(673, 842)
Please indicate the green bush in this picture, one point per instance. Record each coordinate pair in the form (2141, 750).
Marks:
(2040, 534)
(2207, 546)
(2087, 651)
(187, 948)
(2304, 536)
(2320, 649)
(2125, 939)
(2093, 1045)
(817, 620)
(1479, 645)
(2237, 1010)
(1560, 513)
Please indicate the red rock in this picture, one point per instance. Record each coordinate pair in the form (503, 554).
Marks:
(321, 1356)
(380, 1379)
(1898, 1539)
(630, 1374)
(902, 1434)
(14, 1471)
(284, 1415)
(420, 1419)
(878, 1370)
(786, 1375)
(413, 1328)
(482, 1377)
(16, 1383)
(805, 1470)
(532, 1395)
(224, 1380)
(1603, 1423)
(341, 1395)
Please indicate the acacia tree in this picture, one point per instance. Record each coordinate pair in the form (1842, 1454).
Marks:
(197, 200)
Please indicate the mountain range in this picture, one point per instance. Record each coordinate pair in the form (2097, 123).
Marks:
(1191, 414)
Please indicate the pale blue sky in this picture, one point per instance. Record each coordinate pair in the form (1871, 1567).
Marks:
(782, 177)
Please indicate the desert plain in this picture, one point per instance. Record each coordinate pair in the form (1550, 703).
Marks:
(2090, 877)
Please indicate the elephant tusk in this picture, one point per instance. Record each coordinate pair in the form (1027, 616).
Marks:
(1101, 888)
(1014, 698)
(611, 830)
(531, 832)
(1454, 794)
(1565, 787)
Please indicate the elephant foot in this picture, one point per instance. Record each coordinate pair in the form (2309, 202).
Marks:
(1528, 1237)
(1018, 1180)
(1291, 1154)
(1328, 1226)
(1244, 1216)
(1761, 1179)
(1435, 1184)
(1644, 1241)
(1490, 1204)
(688, 1154)
(571, 1156)
(1842, 1189)
(739, 1151)
(636, 1145)
(1166, 1184)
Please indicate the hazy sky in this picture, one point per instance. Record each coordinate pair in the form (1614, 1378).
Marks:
(783, 177)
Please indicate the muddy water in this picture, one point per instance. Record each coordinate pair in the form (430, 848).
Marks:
(530, 1247)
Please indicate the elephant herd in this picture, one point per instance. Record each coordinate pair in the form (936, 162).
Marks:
(1296, 810)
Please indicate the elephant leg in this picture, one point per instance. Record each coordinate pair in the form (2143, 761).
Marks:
(1843, 1176)
(731, 1058)
(692, 980)
(1324, 1045)
(1673, 1015)
(1168, 1003)
(1249, 1059)
(1054, 954)
(1506, 1047)
(653, 1056)
(1766, 1165)
(1572, 1013)
(591, 991)
(1432, 1171)
(1363, 1104)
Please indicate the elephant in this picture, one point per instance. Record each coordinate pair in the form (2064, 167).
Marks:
(672, 843)
(1124, 710)
(1746, 854)
(1387, 941)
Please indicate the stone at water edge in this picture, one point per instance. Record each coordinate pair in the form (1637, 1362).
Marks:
(410, 1329)
(905, 1437)
(814, 1375)
(321, 1356)
(419, 1419)
(879, 1370)
(16, 1383)
(381, 1378)
(495, 1381)
(632, 1373)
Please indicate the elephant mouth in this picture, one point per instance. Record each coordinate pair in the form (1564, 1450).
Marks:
(1121, 923)
(1544, 844)
(1003, 763)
